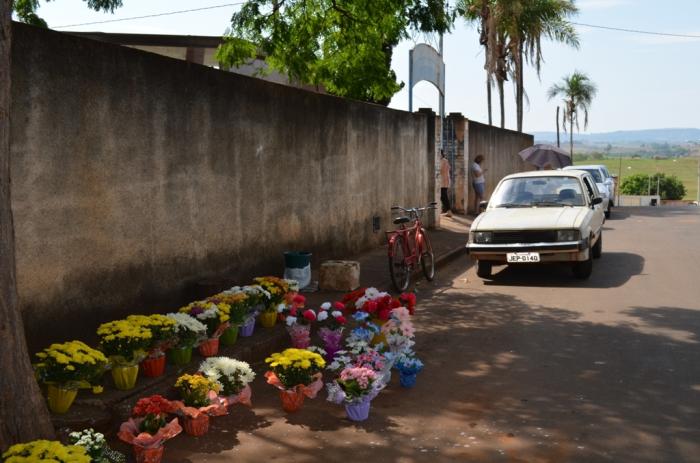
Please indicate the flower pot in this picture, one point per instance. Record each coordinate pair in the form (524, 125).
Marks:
(247, 327)
(292, 399)
(196, 426)
(209, 348)
(331, 342)
(268, 318)
(125, 376)
(148, 455)
(153, 367)
(301, 336)
(358, 411)
(180, 355)
(407, 379)
(230, 336)
(60, 399)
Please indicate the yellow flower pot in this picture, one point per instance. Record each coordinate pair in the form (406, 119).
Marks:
(268, 319)
(60, 399)
(125, 376)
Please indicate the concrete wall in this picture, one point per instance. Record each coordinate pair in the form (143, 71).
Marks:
(135, 176)
(499, 147)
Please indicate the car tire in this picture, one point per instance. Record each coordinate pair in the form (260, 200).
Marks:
(582, 270)
(597, 248)
(483, 269)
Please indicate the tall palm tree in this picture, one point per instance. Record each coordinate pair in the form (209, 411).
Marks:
(577, 92)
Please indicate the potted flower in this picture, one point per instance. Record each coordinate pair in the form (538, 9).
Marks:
(161, 336)
(409, 366)
(276, 289)
(188, 332)
(296, 373)
(236, 306)
(148, 429)
(257, 298)
(332, 319)
(67, 367)
(95, 446)
(214, 319)
(232, 376)
(378, 305)
(298, 320)
(45, 450)
(125, 344)
(199, 401)
(355, 387)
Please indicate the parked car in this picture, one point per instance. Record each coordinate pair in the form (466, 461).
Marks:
(604, 182)
(541, 216)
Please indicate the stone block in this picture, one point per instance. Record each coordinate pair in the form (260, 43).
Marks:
(339, 275)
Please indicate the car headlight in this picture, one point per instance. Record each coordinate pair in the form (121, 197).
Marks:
(483, 237)
(567, 235)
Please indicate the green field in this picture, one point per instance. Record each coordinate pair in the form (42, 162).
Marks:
(686, 169)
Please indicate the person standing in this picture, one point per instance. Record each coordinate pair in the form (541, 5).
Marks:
(445, 184)
(478, 182)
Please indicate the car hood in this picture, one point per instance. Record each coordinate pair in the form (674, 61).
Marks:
(530, 218)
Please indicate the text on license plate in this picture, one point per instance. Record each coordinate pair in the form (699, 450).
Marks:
(513, 257)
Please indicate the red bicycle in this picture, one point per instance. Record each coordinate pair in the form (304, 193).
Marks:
(408, 246)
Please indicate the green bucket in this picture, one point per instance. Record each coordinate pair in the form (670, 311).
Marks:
(297, 259)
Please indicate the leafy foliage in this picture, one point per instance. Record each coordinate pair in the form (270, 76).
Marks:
(26, 9)
(638, 184)
(343, 45)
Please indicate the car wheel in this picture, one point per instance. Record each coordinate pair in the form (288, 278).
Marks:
(597, 249)
(608, 212)
(583, 270)
(483, 269)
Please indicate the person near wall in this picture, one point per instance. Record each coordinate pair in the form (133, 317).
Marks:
(445, 184)
(478, 181)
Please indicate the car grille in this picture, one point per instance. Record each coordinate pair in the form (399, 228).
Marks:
(524, 236)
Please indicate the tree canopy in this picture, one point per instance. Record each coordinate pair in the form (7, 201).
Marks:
(670, 187)
(26, 9)
(343, 45)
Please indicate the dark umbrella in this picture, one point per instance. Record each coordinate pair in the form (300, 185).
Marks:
(541, 155)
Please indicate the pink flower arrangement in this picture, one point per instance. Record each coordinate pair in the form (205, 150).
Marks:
(362, 376)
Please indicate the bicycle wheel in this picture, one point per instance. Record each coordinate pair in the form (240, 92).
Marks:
(398, 268)
(427, 258)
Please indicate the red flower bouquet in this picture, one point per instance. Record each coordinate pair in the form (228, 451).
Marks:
(148, 429)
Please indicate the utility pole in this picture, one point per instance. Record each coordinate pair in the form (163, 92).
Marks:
(649, 186)
(558, 145)
(698, 197)
(619, 180)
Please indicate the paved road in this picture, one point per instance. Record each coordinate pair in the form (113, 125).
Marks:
(533, 366)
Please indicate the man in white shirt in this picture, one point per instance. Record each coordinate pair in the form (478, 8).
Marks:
(445, 184)
(478, 182)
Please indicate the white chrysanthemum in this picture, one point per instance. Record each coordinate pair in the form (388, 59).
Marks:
(281, 307)
(336, 313)
(326, 306)
(185, 322)
(322, 315)
(211, 312)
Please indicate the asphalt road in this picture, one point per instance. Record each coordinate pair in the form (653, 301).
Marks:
(533, 366)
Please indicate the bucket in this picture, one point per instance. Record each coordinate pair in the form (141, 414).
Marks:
(297, 266)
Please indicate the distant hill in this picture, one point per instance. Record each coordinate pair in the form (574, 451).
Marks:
(626, 136)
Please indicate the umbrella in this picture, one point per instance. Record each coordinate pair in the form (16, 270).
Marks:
(541, 155)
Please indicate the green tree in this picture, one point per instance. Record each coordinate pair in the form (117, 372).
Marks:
(670, 187)
(345, 46)
(577, 92)
(23, 412)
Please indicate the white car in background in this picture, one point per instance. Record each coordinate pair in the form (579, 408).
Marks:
(604, 182)
(540, 216)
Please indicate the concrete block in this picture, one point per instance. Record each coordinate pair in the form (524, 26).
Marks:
(339, 275)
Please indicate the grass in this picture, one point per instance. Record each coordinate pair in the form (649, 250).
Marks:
(686, 169)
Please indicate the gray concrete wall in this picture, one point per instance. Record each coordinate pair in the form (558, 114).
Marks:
(135, 176)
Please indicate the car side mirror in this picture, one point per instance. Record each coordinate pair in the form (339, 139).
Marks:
(483, 205)
(597, 200)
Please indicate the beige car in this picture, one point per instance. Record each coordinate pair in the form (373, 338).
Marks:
(539, 217)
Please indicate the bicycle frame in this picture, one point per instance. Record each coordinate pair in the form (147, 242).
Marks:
(412, 241)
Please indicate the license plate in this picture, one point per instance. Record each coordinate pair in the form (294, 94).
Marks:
(520, 257)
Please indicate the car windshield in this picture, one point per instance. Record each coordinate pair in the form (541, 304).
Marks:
(554, 191)
(595, 173)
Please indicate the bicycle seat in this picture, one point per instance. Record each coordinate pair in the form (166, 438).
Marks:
(400, 220)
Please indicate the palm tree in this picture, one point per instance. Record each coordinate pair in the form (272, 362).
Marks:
(526, 23)
(577, 92)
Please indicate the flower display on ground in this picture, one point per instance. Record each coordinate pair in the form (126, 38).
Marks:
(276, 289)
(364, 329)
(236, 305)
(153, 411)
(95, 446)
(123, 341)
(148, 427)
(194, 390)
(45, 450)
(256, 294)
(71, 365)
(229, 374)
(188, 330)
(210, 314)
(296, 313)
(355, 384)
(332, 316)
(408, 300)
(377, 304)
(161, 327)
(295, 366)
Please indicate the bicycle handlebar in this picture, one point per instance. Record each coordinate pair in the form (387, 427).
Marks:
(415, 210)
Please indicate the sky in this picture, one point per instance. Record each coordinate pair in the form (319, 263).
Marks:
(644, 81)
